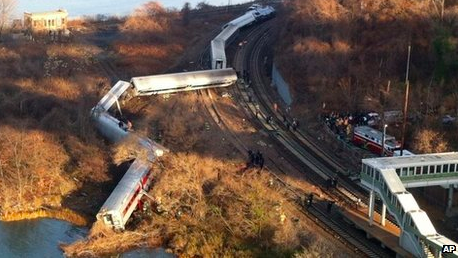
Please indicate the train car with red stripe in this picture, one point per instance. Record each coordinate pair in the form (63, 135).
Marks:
(125, 198)
(371, 139)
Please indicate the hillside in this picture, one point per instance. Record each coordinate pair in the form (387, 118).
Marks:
(342, 56)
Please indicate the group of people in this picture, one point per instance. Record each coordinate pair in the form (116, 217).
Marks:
(255, 159)
(342, 123)
(125, 124)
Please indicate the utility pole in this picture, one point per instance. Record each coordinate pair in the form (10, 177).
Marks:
(406, 101)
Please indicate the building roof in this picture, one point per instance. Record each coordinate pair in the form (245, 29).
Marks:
(416, 160)
(50, 13)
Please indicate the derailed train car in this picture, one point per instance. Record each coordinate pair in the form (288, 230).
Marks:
(176, 82)
(230, 30)
(124, 199)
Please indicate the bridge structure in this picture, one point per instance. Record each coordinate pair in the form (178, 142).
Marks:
(389, 177)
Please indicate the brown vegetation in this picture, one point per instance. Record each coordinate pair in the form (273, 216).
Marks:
(49, 147)
(344, 53)
(209, 208)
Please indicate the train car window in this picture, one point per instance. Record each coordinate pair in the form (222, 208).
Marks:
(445, 168)
(389, 196)
(411, 170)
(452, 167)
(425, 170)
(431, 169)
(438, 168)
(417, 170)
(411, 222)
(398, 171)
(377, 175)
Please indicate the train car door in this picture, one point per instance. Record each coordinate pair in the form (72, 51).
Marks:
(219, 64)
(108, 219)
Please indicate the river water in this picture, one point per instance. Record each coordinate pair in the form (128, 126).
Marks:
(41, 238)
(37, 238)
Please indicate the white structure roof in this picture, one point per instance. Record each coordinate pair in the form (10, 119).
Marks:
(407, 202)
(39, 15)
(416, 160)
(423, 223)
(392, 180)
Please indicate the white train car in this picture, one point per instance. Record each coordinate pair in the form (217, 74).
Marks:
(228, 35)
(124, 199)
(245, 20)
(264, 13)
(255, 13)
(168, 83)
(218, 55)
(218, 45)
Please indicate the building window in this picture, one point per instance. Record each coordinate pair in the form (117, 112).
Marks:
(418, 171)
(404, 172)
(45, 23)
(34, 23)
(452, 167)
(438, 168)
(445, 168)
(52, 22)
(431, 169)
(398, 171)
(411, 170)
(425, 170)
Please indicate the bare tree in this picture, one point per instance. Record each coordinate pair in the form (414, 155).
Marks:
(185, 12)
(6, 9)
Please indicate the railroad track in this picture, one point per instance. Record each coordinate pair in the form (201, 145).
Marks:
(323, 163)
(316, 212)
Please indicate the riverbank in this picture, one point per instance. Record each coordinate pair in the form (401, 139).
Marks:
(60, 214)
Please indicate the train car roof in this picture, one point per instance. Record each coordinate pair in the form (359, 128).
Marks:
(217, 48)
(415, 160)
(187, 79)
(128, 183)
(115, 92)
(371, 132)
(242, 20)
(227, 32)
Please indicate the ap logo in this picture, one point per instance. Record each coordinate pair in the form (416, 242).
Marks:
(448, 249)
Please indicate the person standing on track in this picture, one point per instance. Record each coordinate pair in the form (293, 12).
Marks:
(261, 161)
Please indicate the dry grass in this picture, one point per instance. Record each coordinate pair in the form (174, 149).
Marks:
(209, 208)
